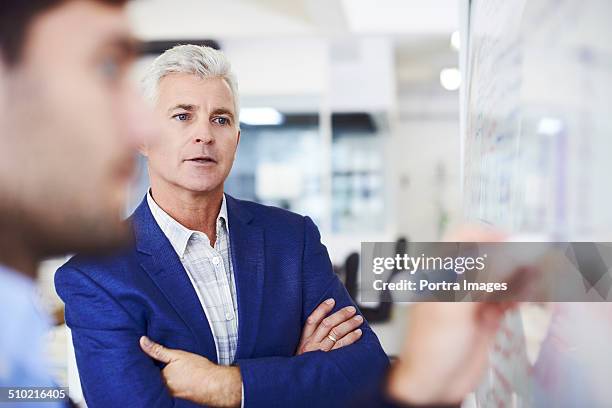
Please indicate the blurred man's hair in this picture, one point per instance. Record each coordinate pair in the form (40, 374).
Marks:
(205, 62)
(16, 17)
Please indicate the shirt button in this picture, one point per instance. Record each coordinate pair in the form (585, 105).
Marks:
(216, 260)
(229, 316)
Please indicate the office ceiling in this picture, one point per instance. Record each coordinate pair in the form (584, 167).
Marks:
(163, 19)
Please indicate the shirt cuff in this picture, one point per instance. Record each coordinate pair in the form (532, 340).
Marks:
(242, 397)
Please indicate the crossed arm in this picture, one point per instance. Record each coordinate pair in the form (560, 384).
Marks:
(312, 377)
(195, 378)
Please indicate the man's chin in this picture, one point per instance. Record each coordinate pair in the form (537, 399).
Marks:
(203, 186)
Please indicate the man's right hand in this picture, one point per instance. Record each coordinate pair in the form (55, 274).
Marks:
(447, 347)
(325, 333)
(445, 353)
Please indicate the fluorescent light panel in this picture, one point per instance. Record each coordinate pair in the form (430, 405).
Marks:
(261, 117)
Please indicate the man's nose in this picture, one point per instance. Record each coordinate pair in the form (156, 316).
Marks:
(204, 135)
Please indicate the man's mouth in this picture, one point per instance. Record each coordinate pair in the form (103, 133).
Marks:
(202, 160)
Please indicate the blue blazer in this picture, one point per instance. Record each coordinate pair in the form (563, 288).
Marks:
(282, 272)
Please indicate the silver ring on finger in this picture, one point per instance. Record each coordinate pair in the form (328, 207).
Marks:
(332, 338)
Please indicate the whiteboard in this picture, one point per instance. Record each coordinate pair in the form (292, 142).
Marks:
(536, 106)
(537, 132)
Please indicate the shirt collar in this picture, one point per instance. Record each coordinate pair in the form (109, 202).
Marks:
(178, 234)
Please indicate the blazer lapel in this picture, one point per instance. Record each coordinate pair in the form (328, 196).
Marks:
(247, 247)
(159, 260)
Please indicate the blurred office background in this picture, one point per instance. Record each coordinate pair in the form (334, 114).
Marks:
(350, 114)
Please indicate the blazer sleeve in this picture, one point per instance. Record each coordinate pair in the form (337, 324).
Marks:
(114, 371)
(316, 379)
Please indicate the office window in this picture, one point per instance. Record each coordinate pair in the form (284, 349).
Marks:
(358, 188)
(278, 164)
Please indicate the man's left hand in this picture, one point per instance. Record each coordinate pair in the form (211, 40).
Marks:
(326, 332)
(195, 378)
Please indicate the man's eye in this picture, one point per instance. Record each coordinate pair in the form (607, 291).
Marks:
(181, 117)
(221, 120)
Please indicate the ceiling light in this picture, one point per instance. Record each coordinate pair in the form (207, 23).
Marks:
(450, 79)
(455, 40)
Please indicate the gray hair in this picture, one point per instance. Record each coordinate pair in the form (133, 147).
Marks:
(202, 61)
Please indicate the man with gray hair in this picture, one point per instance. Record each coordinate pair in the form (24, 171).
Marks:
(242, 296)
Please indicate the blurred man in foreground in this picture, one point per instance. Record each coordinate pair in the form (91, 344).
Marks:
(69, 124)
